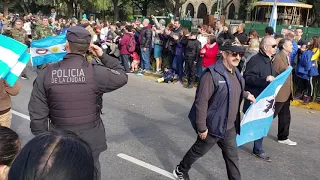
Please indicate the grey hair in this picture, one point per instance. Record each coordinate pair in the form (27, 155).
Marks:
(254, 43)
(265, 41)
(146, 20)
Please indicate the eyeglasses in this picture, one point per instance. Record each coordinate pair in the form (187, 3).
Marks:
(235, 54)
(273, 46)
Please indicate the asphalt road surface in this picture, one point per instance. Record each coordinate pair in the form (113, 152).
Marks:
(148, 133)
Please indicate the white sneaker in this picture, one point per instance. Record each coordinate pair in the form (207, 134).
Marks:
(288, 142)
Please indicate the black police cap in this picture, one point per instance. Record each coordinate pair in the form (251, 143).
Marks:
(233, 46)
(77, 34)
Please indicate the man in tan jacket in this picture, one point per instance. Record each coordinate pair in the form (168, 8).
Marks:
(282, 107)
(5, 101)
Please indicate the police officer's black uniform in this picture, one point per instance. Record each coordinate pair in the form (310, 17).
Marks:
(68, 94)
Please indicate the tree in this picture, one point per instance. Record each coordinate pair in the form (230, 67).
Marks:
(142, 5)
(174, 6)
(5, 7)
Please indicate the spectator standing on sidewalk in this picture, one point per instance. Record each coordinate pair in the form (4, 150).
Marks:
(282, 106)
(258, 74)
(145, 40)
(215, 113)
(5, 101)
(124, 47)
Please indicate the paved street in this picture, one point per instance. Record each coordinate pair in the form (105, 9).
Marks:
(148, 121)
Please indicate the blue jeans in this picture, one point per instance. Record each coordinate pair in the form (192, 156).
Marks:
(125, 61)
(145, 59)
(199, 68)
(177, 65)
(257, 147)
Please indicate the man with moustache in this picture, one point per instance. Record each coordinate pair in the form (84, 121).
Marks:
(215, 114)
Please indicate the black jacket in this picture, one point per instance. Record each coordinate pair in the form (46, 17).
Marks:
(72, 99)
(192, 51)
(145, 38)
(257, 70)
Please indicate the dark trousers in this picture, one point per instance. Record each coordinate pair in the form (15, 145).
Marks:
(97, 165)
(257, 146)
(304, 86)
(229, 152)
(282, 110)
(177, 65)
(191, 70)
(125, 61)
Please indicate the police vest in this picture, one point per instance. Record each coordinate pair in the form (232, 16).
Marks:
(72, 95)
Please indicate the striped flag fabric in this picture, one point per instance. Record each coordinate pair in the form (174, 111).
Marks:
(258, 118)
(14, 58)
(274, 16)
(48, 50)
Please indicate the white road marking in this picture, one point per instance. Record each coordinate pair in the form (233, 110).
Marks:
(20, 114)
(146, 165)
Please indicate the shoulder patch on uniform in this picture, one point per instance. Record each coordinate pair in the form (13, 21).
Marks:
(68, 76)
(114, 71)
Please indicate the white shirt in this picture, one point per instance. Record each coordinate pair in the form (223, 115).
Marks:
(27, 27)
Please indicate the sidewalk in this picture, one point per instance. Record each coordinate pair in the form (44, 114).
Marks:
(312, 105)
(315, 106)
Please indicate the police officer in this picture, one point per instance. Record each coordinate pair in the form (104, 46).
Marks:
(67, 95)
(19, 34)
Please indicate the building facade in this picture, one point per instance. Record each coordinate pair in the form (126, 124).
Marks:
(202, 8)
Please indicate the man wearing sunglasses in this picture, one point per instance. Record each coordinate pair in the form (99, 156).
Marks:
(215, 112)
(258, 74)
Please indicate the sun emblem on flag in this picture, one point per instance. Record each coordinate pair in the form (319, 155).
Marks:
(54, 49)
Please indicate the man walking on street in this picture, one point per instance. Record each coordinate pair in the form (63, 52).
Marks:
(215, 112)
(258, 74)
(282, 107)
(67, 95)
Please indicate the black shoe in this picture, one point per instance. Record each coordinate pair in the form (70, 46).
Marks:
(180, 175)
(262, 156)
(25, 77)
(190, 86)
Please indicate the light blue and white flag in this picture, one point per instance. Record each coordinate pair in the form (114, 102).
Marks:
(258, 118)
(274, 16)
(48, 50)
(13, 59)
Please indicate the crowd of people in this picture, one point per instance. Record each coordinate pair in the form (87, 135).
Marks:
(171, 50)
(207, 55)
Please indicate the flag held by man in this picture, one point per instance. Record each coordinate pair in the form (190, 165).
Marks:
(48, 50)
(14, 58)
(258, 118)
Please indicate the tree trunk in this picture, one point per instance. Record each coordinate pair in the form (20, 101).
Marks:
(5, 7)
(115, 10)
(176, 8)
(144, 10)
(116, 13)
(70, 8)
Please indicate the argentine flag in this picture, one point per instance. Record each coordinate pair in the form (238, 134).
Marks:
(14, 58)
(48, 50)
(274, 16)
(258, 118)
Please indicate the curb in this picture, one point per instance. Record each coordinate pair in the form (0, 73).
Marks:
(297, 103)
(311, 105)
